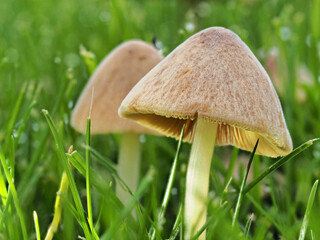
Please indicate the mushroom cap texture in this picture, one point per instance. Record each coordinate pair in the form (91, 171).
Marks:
(112, 80)
(213, 75)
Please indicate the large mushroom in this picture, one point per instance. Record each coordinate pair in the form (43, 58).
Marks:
(215, 85)
(112, 80)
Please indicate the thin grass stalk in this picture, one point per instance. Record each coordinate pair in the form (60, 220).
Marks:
(72, 183)
(167, 194)
(177, 225)
(146, 181)
(279, 163)
(88, 178)
(36, 225)
(41, 148)
(14, 116)
(241, 194)
(14, 195)
(248, 226)
(273, 167)
(307, 214)
(57, 207)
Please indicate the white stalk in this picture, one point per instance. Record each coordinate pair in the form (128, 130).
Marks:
(197, 186)
(128, 165)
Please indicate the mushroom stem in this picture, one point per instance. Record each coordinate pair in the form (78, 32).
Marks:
(197, 186)
(128, 165)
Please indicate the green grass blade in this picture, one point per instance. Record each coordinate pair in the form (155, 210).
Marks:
(14, 116)
(88, 182)
(29, 173)
(177, 225)
(241, 194)
(88, 177)
(146, 181)
(23, 124)
(273, 167)
(267, 214)
(64, 184)
(307, 214)
(231, 166)
(103, 160)
(73, 188)
(167, 194)
(14, 194)
(89, 59)
(79, 163)
(3, 189)
(279, 163)
(248, 226)
(36, 225)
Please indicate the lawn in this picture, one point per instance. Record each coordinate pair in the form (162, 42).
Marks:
(48, 50)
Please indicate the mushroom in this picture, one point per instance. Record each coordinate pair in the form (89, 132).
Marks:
(112, 80)
(215, 85)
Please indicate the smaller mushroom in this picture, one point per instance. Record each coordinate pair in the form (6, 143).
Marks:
(215, 85)
(112, 80)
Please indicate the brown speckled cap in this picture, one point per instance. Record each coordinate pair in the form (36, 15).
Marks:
(213, 74)
(112, 81)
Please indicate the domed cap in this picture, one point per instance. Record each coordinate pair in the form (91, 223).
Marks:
(213, 74)
(112, 80)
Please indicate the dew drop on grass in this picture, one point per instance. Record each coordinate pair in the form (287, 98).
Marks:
(70, 104)
(285, 33)
(65, 119)
(57, 60)
(104, 16)
(203, 9)
(14, 133)
(142, 138)
(35, 127)
(190, 27)
(72, 60)
(23, 138)
(174, 191)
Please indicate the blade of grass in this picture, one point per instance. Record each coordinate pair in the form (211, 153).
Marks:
(25, 183)
(279, 163)
(21, 128)
(57, 207)
(3, 189)
(307, 214)
(248, 226)
(36, 225)
(273, 167)
(103, 160)
(232, 164)
(146, 181)
(78, 162)
(240, 196)
(88, 176)
(89, 59)
(14, 195)
(177, 225)
(14, 116)
(74, 191)
(167, 194)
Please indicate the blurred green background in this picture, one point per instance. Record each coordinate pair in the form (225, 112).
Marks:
(39, 46)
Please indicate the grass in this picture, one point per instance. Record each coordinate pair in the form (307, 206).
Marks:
(48, 49)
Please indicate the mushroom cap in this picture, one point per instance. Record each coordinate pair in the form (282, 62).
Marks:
(213, 75)
(112, 80)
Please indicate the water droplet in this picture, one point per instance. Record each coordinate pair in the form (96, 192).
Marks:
(57, 60)
(285, 33)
